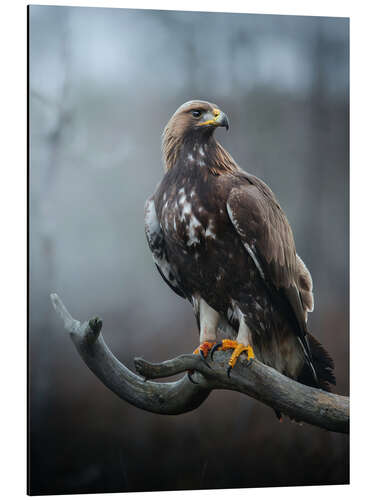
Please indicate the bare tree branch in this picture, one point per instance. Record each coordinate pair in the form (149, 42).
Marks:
(259, 381)
(166, 398)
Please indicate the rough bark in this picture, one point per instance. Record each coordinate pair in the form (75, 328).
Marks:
(307, 404)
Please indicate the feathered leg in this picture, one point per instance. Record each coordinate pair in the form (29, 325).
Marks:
(208, 325)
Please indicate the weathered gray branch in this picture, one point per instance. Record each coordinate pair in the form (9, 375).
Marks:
(261, 382)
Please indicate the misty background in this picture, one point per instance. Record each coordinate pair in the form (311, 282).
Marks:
(102, 85)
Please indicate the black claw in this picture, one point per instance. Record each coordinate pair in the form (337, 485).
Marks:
(250, 362)
(201, 354)
(215, 348)
(228, 371)
(191, 379)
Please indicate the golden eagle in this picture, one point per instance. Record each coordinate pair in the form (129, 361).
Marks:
(220, 239)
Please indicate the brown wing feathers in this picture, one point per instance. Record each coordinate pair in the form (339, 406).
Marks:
(261, 221)
(305, 286)
(267, 236)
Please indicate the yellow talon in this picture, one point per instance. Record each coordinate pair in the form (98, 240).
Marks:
(238, 350)
(204, 348)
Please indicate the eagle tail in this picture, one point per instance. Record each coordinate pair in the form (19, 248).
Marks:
(323, 367)
(304, 343)
(321, 375)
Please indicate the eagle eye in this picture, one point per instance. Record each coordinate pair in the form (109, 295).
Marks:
(196, 113)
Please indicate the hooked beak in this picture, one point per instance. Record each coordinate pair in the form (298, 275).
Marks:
(216, 119)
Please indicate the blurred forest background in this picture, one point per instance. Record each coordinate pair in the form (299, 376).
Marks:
(103, 83)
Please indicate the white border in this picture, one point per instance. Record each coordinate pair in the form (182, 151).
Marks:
(321, 8)
(13, 252)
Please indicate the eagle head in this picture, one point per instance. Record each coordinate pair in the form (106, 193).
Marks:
(197, 116)
(194, 121)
